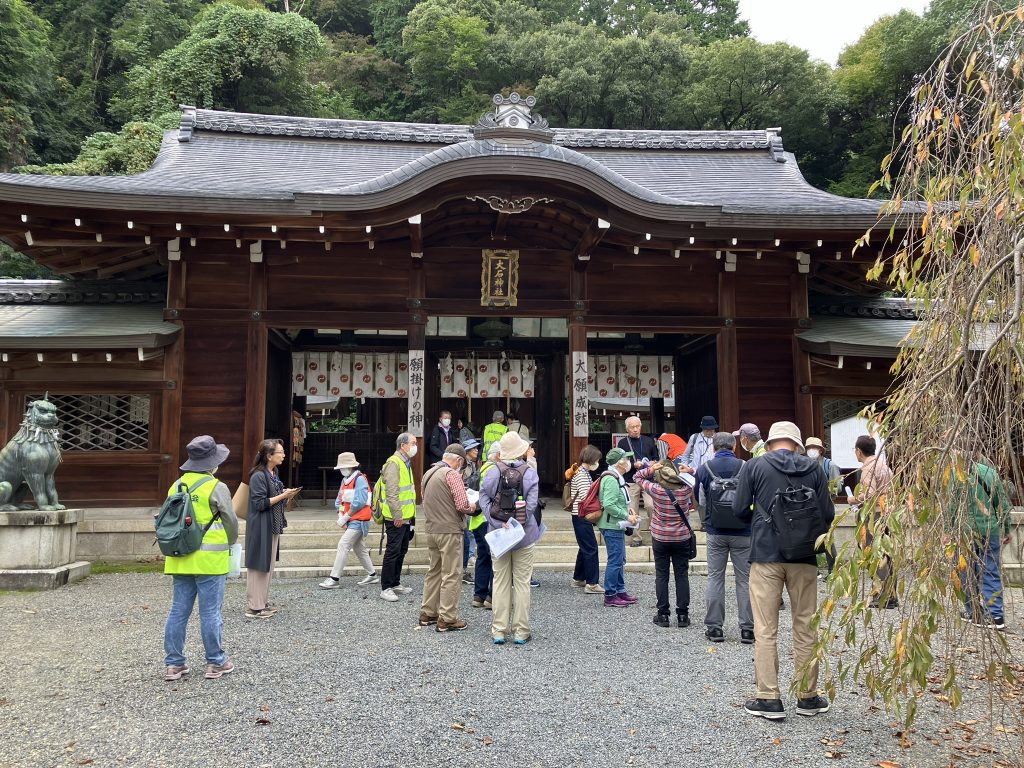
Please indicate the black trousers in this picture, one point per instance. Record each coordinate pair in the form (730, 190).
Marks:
(394, 553)
(671, 553)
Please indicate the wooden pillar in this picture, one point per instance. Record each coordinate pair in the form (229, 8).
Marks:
(417, 336)
(256, 362)
(728, 361)
(174, 367)
(577, 346)
(802, 398)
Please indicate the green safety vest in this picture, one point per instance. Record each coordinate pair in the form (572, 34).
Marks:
(492, 434)
(211, 559)
(759, 449)
(406, 490)
(478, 519)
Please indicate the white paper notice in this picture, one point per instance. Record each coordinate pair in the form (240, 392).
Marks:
(580, 395)
(416, 371)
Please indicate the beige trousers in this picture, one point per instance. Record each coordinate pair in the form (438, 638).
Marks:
(351, 540)
(634, 507)
(766, 582)
(257, 583)
(510, 601)
(443, 583)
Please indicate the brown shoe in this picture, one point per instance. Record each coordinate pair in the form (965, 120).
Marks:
(455, 626)
(217, 671)
(173, 673)
(426, 621)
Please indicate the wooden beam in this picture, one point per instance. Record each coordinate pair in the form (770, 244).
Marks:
(288, 318)
(416, 236)
(498, 233)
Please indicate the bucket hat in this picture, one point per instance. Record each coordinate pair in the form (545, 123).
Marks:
(512, 446)
(470, 444)
(815, 442)
(204, 454)
(709, 422)
(667, 474)
(785, 430)
(346, 460)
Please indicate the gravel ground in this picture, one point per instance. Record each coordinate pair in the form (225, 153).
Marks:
(341, 677)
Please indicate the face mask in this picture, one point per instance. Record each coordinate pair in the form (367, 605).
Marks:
(446, 422)
(624, 466)
(412, 451)
(346, 472)
(813, 454)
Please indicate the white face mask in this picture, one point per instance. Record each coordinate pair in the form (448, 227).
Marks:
(411, 451)
(813, 453)
(347, 472)
(624, 466)
(446, 422)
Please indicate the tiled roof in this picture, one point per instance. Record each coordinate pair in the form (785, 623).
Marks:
(222, 161)
(78, 327)
(879, 308)
(84, 292)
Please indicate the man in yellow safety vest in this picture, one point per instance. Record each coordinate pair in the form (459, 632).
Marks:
(399, 510)
(494, 431)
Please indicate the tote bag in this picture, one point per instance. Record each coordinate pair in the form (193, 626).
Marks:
(240, 501)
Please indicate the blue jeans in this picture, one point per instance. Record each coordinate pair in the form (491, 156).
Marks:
(587, 567)
(983, 576)
(468, 546)
(483, 573)
(614, 571)
(210, 590)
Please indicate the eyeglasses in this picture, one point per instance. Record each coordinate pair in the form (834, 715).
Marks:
(278, 453)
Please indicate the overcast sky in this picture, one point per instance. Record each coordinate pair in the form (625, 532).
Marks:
(823, 27)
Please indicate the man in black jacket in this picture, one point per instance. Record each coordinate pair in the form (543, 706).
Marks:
(441, 436)
(784, 465)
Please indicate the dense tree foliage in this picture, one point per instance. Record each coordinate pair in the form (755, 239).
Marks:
(87, 85)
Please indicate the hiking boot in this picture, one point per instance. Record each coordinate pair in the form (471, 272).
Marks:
(478, 602)
(173, 673)
(400, 590)
(487, 604)
(714, 634)
(747, 636)
(455, 626)
(770, 709)
(615, 602)
(329, 583)
(812, 705)
(579, 582)
(217, 671)
(389, 595)
(628, 598)
(467, 577)
(683, 619)
(370, 578)
(426, 621)
(661, 619)
(264, 613)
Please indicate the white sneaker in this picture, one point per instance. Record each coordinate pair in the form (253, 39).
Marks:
(329, 583)
(401, 590)
(389, 595)
(370, 578)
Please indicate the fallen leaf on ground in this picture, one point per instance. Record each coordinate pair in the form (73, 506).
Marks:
(86, 761)
(888, 764)
(329, 698)
(28, 610)
(487, 741)
(262, 721)
(458, 727)
(1005, 729)
(632, 731)
(834, 755)
(712, 649)
(833, 742)
(776, 741)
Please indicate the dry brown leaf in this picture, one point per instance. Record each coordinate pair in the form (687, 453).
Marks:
(776, 741)
(1005, 729)
(632, 731)
(265, 708)
(262, 721)
(458, 727)
(85, 761)
(888, 764)
(487, 741)
(329, 698)
(835, 755)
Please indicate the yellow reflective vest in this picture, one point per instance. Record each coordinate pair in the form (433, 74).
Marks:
(406, 491)
(492, 434)
(211, 559)
(478, 519)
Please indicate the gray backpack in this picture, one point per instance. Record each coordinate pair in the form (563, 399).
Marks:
(177, 531)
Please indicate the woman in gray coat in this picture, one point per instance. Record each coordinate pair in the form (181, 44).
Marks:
(264, 526)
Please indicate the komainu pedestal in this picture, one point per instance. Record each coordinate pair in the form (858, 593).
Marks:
(37, 549)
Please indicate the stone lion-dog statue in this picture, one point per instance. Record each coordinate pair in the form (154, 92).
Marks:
(28, 461)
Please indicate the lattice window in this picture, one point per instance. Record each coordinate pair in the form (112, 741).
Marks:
(102, 422)
(839, 410)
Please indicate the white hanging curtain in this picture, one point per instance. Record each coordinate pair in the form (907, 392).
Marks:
(345, 374)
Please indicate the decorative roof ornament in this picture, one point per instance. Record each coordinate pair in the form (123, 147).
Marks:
(513, 113)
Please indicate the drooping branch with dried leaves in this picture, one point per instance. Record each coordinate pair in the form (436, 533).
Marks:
(954, 422)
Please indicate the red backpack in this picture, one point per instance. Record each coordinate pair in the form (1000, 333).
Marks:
(590, 506)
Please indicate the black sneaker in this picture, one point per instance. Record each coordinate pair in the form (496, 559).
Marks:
(812, 706)
(770, 709)
(714, 634)
(661, 619)
(747, 636)
(683, 620)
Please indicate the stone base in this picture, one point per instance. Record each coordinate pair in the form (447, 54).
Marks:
(44, 578)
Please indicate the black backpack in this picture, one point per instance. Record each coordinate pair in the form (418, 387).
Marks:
(177, 531)
(795, 519)
(721, 492)
(510, 489)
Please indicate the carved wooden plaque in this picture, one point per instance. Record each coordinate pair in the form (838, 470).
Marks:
(499, 281)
